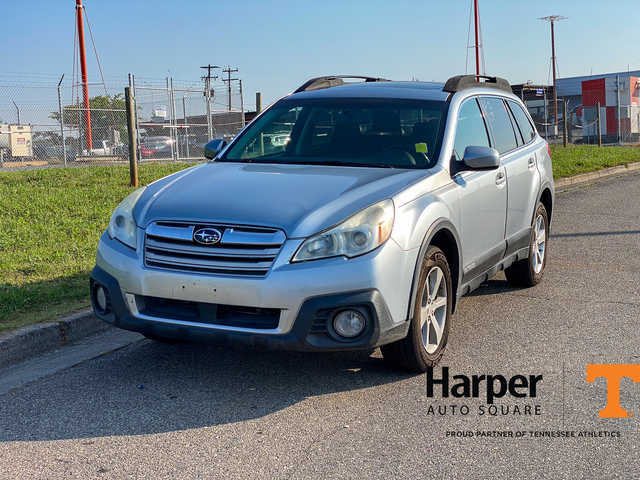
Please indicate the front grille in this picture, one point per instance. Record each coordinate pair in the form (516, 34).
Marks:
(241, 251)
(212, 314)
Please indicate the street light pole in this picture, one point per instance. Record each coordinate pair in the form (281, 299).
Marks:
(18, 110)
(552, 19)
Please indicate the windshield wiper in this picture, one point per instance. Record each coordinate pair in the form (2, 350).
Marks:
(345, 164)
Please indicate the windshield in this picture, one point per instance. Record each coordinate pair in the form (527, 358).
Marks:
(355, 132)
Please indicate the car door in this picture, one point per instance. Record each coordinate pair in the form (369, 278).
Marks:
(523, 181)
(482, 197)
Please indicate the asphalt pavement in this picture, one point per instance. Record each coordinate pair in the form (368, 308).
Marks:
(152, 410)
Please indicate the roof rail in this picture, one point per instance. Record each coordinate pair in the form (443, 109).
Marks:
(333, 81)
(462, 82)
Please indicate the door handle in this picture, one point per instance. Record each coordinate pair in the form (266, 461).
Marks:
(500, 179)
(531, 164)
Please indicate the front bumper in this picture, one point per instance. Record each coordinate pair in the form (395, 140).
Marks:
(305, 296)
(312, 329)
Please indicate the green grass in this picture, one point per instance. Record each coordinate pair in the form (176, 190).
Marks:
(50, 223)
(51, 220)
(577, 159)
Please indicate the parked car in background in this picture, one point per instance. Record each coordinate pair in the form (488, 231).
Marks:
(121, 150)
(52, 152)
(196, 147)
(40, 151)
(361, 225)
(156, 147)
(102, 147)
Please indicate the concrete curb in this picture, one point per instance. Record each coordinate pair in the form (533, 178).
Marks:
(589, 177)
(29, 342)
(34, 340)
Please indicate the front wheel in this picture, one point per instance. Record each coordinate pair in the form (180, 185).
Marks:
(528, 272)
(424, 345)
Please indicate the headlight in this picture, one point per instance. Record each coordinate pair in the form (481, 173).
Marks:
(122, 225)
(358, 234)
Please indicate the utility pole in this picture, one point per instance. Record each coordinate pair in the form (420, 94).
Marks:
(228, 80)
(478, 49)
(207, 94)
(552, 19)
(241, 102)
(476, 11)
(85, 79)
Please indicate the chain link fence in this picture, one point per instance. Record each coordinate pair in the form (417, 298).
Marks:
(172, 120)
(45, 123)
(608, 106)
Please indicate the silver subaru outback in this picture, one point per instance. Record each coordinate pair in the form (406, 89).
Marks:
(347, 215)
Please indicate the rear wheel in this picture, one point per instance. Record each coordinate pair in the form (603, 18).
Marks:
(426, 341)
(528, 272)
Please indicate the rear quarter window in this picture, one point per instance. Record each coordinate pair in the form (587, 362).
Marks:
(528, 133)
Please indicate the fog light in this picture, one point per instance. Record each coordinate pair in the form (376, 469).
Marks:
(349, 323)
(100, 297)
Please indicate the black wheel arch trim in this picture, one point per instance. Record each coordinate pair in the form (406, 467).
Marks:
(546, 185)
(439, 225)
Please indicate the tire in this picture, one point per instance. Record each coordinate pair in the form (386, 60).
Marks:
(528, 272)
(424, 345)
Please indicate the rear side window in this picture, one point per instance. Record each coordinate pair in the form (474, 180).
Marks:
(501, 125)
(471, 130)
(528, 133)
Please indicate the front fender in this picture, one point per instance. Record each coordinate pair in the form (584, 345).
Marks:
(415, 219)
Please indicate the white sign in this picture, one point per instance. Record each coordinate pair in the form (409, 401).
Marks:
(160, 111)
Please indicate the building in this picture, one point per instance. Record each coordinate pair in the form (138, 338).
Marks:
(618, 96)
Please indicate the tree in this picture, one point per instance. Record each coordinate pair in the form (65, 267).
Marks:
(106, 114)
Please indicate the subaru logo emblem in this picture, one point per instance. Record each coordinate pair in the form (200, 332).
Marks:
(207, 236)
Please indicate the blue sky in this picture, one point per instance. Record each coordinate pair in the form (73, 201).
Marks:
(277, 45)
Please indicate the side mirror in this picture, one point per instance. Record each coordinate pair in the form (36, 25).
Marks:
(481, 158)
(213, 147)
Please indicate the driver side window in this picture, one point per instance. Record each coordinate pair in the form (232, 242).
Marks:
(470, 130)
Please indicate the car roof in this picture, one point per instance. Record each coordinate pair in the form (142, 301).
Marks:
(336, 87)
(386, 89)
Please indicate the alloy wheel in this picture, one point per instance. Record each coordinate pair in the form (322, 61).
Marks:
(433, 312)
(539, 244)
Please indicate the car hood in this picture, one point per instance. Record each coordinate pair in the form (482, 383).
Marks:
(299, 199)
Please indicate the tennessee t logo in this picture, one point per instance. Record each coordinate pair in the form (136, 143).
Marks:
(613, 374)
